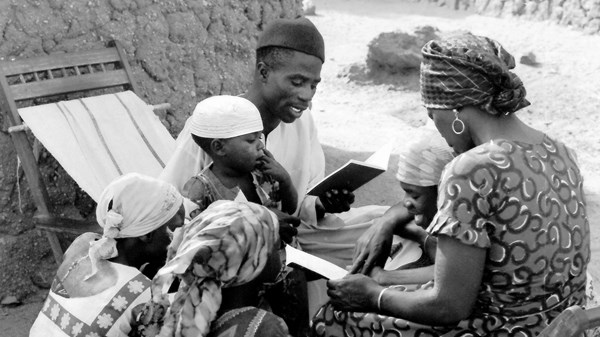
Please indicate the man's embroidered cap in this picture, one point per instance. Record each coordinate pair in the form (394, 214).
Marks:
(297, 34)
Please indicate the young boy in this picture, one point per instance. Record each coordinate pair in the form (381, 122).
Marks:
(228, 129)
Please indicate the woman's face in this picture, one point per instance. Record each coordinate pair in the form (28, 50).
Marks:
(420, 200)
(443, 122)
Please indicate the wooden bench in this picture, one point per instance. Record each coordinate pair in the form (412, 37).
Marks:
(51, 77)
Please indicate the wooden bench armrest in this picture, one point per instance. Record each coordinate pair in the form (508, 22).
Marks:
(66, 225)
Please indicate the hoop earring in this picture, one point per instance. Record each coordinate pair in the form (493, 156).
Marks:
(456, 122)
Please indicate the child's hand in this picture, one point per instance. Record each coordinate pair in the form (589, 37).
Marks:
(271, 167)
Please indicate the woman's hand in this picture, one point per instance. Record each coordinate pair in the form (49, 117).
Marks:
(354, 293)
(336, 200)
(373, 247)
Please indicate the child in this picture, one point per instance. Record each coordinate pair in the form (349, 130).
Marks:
(420, 166)
(228, 129)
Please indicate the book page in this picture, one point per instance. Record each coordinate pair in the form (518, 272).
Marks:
(381, 157)
(316, 264)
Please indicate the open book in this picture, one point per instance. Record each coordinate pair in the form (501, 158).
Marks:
(322, 267)
(354, 173)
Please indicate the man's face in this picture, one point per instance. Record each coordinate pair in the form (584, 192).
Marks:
(290, 87)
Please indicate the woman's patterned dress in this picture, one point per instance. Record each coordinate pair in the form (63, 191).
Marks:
(523, 203)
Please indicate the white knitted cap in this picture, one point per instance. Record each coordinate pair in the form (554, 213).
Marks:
(225, 117)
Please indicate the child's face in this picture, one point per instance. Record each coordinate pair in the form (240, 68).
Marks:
(243, 152)
(420, 200)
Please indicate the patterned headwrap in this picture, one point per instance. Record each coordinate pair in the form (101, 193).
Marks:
(130, 206)
(472, 70)
(226, 245)
(422, 161)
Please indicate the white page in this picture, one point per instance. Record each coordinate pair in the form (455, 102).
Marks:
(381, 157)
(316, 264)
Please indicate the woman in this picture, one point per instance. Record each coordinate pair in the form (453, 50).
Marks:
(103, 277)
(221, 258)
(511, 228)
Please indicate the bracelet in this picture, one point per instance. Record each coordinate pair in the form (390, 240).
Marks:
(380, 297)
(425, 241)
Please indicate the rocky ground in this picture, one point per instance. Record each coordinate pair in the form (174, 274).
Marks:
(356, 117)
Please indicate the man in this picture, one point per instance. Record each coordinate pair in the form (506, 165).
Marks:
(103, 277)
(289, 57)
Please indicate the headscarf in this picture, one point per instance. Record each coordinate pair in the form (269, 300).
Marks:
(130, 206)
(225, 117)
(226, 245)
(215, 117)
(422, 161)
(473, 70)
(297, 34)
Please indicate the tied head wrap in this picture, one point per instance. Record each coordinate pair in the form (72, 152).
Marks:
(226, 245)
(465, 70)
(297, 34)
(225, 117)
(422, 161)
(132, 205)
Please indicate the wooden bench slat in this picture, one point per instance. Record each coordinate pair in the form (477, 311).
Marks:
(66, 85)
(56, 61)
(66, 225)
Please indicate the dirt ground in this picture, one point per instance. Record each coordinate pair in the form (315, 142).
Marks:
(356, 119)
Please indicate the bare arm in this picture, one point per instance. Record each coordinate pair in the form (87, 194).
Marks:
(406, 276)
(373, 247)
(458, 274)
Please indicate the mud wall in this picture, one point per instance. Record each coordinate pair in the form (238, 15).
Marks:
(181, 51)
(580, 14)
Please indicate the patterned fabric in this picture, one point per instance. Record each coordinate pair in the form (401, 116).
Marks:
(206, 188)
(226, 245)
(248, 322)
(105, 314)
(422, 161)
(525, 204)
(465, 70)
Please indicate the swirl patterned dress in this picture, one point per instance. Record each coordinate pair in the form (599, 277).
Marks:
(523, 203)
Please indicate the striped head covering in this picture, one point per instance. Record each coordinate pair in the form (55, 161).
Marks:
(422, 161)
(130, 206)
(226, 245)
(465, 70)
(225, 117)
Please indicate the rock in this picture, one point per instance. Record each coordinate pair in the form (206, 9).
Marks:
(398, 52)
(528, 59)
(309, 7)
(10, 300)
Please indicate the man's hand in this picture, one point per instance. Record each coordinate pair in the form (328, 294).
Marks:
(372, 248)
(287, 225)
(336, 201)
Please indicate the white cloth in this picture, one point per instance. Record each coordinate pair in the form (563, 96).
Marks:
(422, 160)
(107, 313)
(132, 205)
(96, 139)
(225, 117)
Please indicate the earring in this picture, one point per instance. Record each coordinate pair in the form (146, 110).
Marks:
(458, 122)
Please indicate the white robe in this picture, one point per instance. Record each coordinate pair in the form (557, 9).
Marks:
(296, 147)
